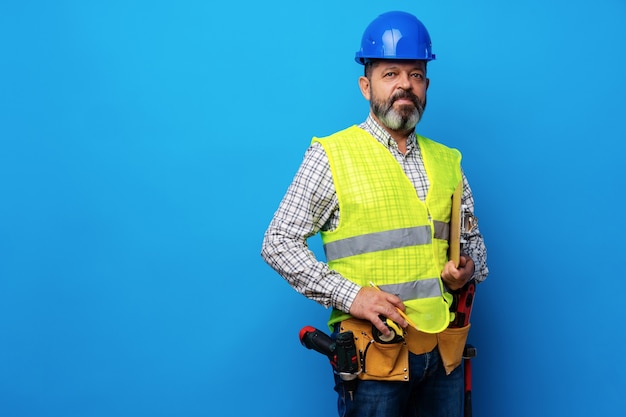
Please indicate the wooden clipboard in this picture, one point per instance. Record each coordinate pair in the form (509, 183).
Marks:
(454, 249)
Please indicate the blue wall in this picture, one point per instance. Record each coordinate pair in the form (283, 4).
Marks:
(144, 147)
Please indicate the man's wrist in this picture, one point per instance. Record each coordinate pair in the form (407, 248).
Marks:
(344, 294)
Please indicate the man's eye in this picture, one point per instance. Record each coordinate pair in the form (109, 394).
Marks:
(389, 74)
(417, 75)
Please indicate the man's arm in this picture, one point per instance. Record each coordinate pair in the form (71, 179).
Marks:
(473, 261)
(307, 206)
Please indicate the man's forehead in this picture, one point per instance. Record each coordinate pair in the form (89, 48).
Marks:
(413, 63)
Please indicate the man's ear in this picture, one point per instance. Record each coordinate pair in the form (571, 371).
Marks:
(364, 85)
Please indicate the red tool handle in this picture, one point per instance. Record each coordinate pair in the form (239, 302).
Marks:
(467, 408)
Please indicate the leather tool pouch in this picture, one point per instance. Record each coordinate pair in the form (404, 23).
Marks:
(451, 343)
(378, 361)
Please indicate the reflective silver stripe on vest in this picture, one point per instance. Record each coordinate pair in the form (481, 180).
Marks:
(373, 242)
(442, 230)
(424, 288)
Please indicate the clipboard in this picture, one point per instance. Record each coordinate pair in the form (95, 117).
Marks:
(454, 248)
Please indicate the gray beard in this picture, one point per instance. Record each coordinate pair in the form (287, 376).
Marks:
(401, 122)
(404, 119)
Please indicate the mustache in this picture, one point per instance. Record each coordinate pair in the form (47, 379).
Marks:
(404, 94)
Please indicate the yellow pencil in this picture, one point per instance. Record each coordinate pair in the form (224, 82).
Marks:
(402, 313)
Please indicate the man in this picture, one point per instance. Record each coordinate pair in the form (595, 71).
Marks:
(380, 196)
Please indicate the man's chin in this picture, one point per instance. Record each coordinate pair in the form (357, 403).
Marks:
(407, 122)
(404, 126)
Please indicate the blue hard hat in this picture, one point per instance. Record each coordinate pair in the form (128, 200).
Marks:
(395, 35)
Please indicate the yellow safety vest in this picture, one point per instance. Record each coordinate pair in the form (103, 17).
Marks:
(386, 234)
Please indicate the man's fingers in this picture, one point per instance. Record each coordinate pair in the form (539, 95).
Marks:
(393, 309)
(372, 303)
(382, 327)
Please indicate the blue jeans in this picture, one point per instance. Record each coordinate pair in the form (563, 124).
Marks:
(429, 392)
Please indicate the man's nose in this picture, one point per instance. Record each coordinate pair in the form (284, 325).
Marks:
(404, 81)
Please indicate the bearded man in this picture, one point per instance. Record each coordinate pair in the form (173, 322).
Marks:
(380, 196)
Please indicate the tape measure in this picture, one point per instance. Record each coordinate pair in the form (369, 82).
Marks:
(396, 334)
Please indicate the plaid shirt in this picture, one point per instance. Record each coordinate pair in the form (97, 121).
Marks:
(310, 205)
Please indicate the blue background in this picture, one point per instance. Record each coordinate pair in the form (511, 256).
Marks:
(145, 145)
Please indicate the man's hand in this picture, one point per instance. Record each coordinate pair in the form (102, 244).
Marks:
(371, 302)
(454, 277)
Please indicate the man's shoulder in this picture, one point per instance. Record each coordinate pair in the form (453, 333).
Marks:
(426, 141)
(351, 131)
(438, 147)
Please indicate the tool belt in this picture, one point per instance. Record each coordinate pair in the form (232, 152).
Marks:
(378, 361)
(451, 343)
(390, 361)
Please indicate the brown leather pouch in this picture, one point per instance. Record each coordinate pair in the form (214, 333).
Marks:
(419, 342)
(379, 361)
(451, 343)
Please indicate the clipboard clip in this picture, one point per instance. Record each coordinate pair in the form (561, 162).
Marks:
(468, 222)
